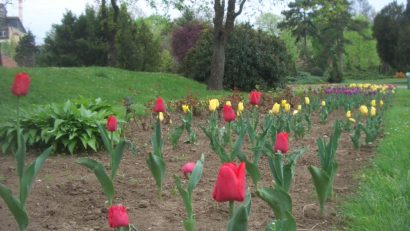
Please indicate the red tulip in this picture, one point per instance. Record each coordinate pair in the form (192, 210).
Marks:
(188, 168)
(159, 105)
(111, 124)
(229, 114)
(255, 97)
(117, 216)
(282, 142)
(21, 84)
(230, 184)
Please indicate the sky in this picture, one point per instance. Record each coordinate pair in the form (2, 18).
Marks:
(40, 15)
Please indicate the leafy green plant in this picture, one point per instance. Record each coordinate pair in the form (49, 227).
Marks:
(155, 159)
(186, 125)
(324, 176)
(239, 219)
(281, 204)
(283, 167)
(186, 194)
(70, 126)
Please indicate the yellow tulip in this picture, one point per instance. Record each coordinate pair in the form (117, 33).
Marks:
(352, 120)
(363, 110)
(276, 108)
(240, 107)
(307, 100)
(381, 103)
(372, 111)
(299, 107)
(228, 103)
(213, 104)
(161, 116)
(283, 103)
(287, 107)
(295, 112)
(185, 108)
(323, 103)
(373, 103)
(348, 114)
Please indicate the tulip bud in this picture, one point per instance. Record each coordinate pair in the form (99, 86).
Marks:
(213, 104)
(372, 111)
(295, 112)
(185, 108)
(111, 124)
(373, 103)
(21, 84)
(229, 114)
(283, 103)
(381, 103)
(352, 120)
(299, 107)
(323, 103)
(188, 168)
(240, 107)
(159, 105)
(117, 216)
(228, 103)
(255, 97)
(348, 114)
(307, 100)
(363, 110)
(276, 109)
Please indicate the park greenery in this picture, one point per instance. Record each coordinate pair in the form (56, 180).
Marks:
(325, 41)
(108, 63)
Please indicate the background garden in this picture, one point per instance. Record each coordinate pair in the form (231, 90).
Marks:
(345, 163)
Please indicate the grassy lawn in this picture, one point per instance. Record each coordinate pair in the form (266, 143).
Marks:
(50, 85)
(383, 198)
(378, 81)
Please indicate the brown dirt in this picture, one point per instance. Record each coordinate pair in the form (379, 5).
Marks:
(66, 196)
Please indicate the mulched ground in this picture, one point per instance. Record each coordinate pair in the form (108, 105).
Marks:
(66, 196)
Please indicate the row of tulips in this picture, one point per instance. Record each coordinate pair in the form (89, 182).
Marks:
(269, 139)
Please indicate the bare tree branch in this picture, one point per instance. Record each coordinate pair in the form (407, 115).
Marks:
(240, 8)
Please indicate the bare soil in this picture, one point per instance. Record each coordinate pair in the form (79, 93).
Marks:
(66, 196)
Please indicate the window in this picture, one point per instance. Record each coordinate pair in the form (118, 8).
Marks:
(3, 34)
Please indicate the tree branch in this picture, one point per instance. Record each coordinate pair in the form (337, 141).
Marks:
(240, 8)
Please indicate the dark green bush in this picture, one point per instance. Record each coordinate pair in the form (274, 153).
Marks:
(252, 58)
(68, 127)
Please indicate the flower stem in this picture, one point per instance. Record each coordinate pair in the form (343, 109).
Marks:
(231, 208)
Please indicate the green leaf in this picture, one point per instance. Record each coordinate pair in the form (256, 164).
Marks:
(286, 224)
(253, 170)
(278, 199)
(189, 224)
(196, 174)
(186, 196)
(321, 180)
(18, 211)
(30, 175)
(99, 171)
(239, 220)
(157, 166)
(105, 139)
(116, 157)
(176, 135)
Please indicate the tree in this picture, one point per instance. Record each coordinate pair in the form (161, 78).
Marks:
(26, 50)
(224, 22)
(298, 19)
(268, 22)
(386, 29)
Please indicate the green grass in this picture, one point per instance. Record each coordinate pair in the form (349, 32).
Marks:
(378, 81)
(383, 198)
(49, 85)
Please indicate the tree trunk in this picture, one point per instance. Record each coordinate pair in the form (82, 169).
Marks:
(215, 81)
(221, 34)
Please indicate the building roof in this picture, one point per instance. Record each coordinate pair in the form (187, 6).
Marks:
(15, 22)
